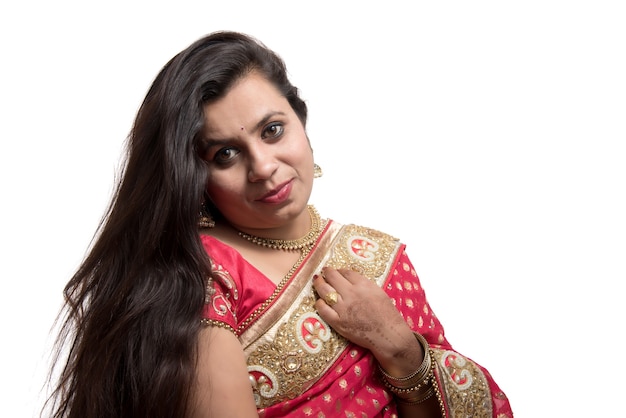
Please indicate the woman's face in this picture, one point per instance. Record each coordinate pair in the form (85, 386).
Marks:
(259, 157)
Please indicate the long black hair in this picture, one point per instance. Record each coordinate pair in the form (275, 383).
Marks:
(132, 312)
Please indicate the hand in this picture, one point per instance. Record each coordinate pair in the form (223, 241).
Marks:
(364, 314)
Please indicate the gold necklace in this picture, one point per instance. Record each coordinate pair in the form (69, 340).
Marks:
(305, 242)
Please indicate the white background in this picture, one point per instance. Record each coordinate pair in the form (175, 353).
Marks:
(487, 135)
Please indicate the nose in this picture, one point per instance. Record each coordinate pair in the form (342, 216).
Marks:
(262, 165)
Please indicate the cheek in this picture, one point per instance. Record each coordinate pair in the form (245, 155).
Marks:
(302, 154)
(221, 187)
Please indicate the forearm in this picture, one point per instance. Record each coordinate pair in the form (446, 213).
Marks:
(399, 353)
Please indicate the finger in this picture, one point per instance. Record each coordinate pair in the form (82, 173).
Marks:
(331, 298)
(351, 276)
(325, 312)
(335, 278)
(321, 286)
(326, 292)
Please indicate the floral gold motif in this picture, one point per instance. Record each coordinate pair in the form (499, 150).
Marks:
(302, 346)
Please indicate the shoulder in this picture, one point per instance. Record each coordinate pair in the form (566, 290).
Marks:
(356, 230)
(365, 249)
(222, 254)
(214, 245)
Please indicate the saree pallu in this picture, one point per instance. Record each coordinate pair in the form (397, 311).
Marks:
(299, 366)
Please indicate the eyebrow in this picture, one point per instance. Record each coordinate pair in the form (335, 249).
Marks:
(267, 117)
(212, 142)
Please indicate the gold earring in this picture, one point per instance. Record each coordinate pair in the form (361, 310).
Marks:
(204, 219)
(317, 171)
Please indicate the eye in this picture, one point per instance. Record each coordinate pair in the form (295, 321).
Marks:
(273, 130)
(224, 155)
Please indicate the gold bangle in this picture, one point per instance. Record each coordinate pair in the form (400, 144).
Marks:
(418, 399)
(404, 391)
(418, 393)
(414, 380)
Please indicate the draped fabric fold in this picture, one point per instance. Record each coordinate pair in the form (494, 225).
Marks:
(299, 366)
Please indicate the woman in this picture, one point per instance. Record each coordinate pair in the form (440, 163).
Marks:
(215, 289)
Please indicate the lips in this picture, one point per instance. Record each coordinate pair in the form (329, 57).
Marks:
(278, 194)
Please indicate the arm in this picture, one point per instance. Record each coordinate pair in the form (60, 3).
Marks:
(222, 387)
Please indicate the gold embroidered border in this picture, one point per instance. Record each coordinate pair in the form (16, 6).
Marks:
(352, 252)
(463, 387)
(293, 367)
(290, 347)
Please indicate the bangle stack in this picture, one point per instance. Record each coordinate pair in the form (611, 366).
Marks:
(416, 387)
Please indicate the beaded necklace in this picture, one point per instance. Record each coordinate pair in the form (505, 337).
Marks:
(305, 242)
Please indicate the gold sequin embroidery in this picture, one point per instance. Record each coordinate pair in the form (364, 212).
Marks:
(303, 345)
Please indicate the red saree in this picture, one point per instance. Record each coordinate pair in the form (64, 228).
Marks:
(299, 366)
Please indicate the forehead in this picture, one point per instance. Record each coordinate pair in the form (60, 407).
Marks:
(248, 100)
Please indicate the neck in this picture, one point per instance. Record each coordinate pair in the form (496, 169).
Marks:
(305, 241)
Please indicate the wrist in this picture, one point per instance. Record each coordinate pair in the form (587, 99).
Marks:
(402, 358)
(416, 387)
